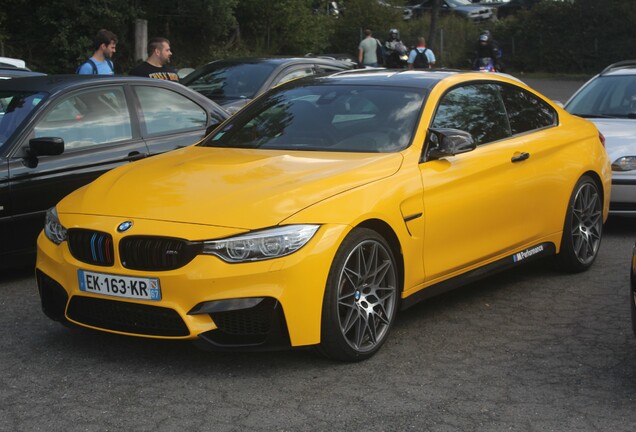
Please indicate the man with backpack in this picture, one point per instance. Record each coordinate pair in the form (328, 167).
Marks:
(421, 57)
(100, 63)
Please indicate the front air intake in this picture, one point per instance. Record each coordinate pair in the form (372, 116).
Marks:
(156, 253)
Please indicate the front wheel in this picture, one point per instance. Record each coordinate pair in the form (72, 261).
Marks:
(583, 227)
(361, 297)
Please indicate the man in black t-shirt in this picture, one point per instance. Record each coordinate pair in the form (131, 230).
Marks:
(155, 65)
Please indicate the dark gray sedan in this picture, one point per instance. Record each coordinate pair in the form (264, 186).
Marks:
(233, 83)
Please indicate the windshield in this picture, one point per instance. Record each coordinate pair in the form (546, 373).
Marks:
(326, 118)
(230, 81)
(16, 106)
(606, 96)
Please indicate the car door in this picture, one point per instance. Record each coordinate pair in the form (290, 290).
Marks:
(170, 120)
(95, 124)
(4, 204)
(481, 204)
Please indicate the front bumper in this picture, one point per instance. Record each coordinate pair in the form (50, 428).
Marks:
(261, 305)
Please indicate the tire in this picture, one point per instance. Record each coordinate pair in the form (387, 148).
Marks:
(361, 297)
(583, 227)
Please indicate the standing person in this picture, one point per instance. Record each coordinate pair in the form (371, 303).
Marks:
(486, 48)
(155, 66)
(421, 57)
(104, 44)
(395, 50)
(368, 50)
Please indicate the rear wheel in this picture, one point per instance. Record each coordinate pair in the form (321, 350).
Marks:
(583, 227)
(361, 297)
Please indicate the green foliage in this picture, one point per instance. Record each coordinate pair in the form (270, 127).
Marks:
(572, 37)
(54, 36)
(283, 27)
(454, 41)
(360, 15)
(198, 30)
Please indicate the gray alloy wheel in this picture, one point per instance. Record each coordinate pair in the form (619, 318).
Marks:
(583, 227)
(361, 297)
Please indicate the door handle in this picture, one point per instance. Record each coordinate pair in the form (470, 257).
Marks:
(518, 157)
(135, 156)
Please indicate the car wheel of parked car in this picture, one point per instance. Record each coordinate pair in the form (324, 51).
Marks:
(583, 227)
(361, 297)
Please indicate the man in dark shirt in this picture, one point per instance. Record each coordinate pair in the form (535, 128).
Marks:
(155, 65)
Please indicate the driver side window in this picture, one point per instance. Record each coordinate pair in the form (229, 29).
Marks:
(477, 109)
(88, 118)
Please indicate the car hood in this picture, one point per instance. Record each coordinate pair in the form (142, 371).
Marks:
(472, 10)
(620, 136)
(239, 188)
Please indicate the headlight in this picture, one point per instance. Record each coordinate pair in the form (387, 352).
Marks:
(261, 245)
(53, 229)
(625, 163)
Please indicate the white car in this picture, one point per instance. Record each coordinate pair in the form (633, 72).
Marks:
(609, 100)
(462, 8)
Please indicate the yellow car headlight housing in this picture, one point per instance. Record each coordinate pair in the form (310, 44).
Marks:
(625, 163)
(261, 245)
(53, 229)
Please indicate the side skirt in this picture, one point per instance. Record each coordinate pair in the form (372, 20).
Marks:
(530, 254)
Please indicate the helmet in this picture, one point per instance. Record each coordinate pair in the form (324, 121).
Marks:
(394, 33)
(483, 37)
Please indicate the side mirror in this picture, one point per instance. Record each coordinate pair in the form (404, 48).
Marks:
(445, 142)
(46, 146)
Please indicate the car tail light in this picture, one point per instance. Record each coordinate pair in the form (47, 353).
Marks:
(602, 138)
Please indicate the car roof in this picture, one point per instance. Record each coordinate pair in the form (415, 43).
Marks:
(54, 83)
(277, 61)
(388, 77)
(626, 67)
(15, 72)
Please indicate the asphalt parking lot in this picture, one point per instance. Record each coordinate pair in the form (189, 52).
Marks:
(530, 350)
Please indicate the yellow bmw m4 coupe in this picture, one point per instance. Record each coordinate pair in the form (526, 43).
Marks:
(314, 215)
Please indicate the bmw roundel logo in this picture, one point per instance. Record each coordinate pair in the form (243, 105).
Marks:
(124, 226)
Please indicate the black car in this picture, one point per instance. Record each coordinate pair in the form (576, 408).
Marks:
(632, 293)
(58, 133)
(233, 83)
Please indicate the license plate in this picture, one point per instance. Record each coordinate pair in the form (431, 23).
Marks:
(119, 286)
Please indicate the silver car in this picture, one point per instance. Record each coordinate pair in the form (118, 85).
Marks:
(609, 100)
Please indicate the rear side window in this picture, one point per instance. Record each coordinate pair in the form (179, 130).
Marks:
(493, 111)
(294, 73)
(164, 111)
(526, 112)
